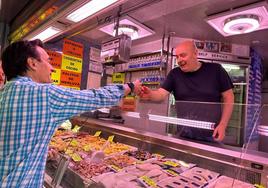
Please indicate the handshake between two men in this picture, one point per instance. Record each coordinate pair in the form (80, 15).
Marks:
(146, 93)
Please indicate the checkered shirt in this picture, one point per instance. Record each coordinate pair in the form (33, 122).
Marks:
(29, 114)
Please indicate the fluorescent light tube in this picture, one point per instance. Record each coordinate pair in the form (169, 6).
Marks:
(89, 9)
(176, 121)
(47, 33)
(183, 122)
(230, 67)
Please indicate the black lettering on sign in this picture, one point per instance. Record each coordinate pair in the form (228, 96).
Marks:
(117, 82)
(71, 68)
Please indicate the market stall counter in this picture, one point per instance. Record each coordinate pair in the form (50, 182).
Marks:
(101, 153)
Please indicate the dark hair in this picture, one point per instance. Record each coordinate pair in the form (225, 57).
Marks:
(14, 57)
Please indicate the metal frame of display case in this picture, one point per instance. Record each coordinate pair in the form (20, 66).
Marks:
(226, 160)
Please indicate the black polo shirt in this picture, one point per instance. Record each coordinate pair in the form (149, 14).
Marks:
(198, 94)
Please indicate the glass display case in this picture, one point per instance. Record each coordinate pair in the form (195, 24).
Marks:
(101, 153)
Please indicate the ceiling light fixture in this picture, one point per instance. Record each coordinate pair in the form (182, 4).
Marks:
(128, 24)
(89, 9)
(241, 24)
(47, 33)
(245, 19)
(129, 30)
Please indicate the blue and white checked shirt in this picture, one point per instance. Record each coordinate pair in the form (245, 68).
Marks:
(29, 114)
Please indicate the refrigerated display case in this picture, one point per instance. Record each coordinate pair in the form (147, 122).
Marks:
(235, 134)
(143, 157)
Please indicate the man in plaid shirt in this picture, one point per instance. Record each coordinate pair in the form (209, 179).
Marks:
(31, 108)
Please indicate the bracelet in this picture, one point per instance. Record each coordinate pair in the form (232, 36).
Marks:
(131, 86)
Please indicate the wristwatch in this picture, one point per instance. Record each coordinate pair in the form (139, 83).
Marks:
(131, 86)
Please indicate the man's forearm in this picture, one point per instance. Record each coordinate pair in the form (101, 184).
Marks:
(228, 102)
(226, 114)
(157, 96)
(127, 90)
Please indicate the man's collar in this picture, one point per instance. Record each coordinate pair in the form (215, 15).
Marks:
(21, 78)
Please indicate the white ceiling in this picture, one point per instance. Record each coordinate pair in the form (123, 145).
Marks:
(187, 19)
(184, 17)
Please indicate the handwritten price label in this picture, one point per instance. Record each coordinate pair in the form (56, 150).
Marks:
(76, 129)
(171, 163)
(76, 157)
(172, 173)
(111, 138)
(68, 151)
(86, 148)
(115, 168)
(74, 143)
(148, 181)
(98, 133)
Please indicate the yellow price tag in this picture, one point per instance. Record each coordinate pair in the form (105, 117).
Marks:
(171, 163)
(76, 157)
(129, 97)
(115, 168)
(76, 129)
(68, 151)
(74, 143)
(111, 138)
(258, 186)
(98, 133)
(86, 148)
(171, 172)
(148, 181)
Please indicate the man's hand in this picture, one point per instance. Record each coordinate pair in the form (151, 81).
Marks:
(228, 101)
(52, 154)
(146, 93)
(219, 132)
(137, 87)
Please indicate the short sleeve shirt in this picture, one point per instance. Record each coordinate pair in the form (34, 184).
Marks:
(204, 85)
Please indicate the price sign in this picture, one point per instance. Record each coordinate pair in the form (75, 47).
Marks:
(111, 138)
(148, 181)
(98, 133)
(171, 163)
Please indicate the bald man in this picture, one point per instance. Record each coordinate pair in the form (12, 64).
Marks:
(198, 88)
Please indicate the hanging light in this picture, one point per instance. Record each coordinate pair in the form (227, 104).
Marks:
(126, 29)
(241, 24)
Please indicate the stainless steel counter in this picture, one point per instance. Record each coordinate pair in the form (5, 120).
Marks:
(230, 161)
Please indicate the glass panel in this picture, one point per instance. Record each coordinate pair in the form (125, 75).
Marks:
(151, 119)
(257, 132)
(236, 72)
(193, 124)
